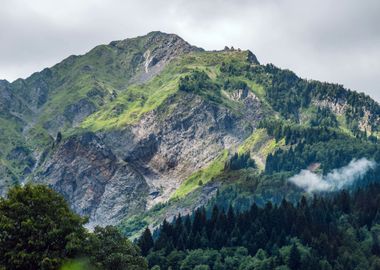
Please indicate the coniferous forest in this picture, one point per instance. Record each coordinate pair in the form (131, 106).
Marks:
(340, 231)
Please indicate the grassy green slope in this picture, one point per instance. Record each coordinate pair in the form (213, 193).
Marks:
(11, 138)
(260, 145)
(96, 77)
(136, 100)
(203, 176)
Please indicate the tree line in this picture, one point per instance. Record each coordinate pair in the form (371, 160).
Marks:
(334, 232)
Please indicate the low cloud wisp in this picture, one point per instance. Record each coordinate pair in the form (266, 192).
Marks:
(334, 180)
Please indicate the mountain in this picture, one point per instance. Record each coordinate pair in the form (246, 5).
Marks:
(140, 129)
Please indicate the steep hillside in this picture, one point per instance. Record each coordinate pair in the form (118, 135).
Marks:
(163, 133)
(59, 98)
(140, 129)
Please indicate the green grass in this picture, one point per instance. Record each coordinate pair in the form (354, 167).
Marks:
(272, 145)
(131, 105)
(256, 88)
(204, 175)
(136, 100)
(10, 138)
(256, 139)
(8, 173)
(213, 59)
(307, 114)
(10, 135)
(78, 264)
(39, 138)
(343, 125)
(110, 72)
(260, 145)
(106, 69)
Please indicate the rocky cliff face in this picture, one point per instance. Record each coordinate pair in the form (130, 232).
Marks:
(166, 147)
(118, 173)
(95, 182)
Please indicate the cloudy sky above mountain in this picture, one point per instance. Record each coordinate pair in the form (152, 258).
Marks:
(336, 41)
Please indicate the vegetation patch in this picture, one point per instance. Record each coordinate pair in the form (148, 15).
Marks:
(202, 176)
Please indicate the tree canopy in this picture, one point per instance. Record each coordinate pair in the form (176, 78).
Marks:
(38, 230)
(334, 232)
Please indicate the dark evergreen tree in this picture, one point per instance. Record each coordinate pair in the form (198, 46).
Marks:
(145, 242)
(294, 261)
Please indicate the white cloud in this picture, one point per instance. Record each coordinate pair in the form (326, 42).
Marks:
(336, 179)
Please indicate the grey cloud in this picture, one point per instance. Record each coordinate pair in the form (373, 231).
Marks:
(336, 41)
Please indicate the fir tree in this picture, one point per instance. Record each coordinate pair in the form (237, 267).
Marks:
(294, 261)
(145, 242)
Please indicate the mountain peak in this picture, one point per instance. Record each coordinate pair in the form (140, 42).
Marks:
(4, 82)
(161, 34)
(155, 40)
(156, 49)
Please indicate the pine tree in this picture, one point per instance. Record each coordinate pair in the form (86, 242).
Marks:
(59, 137)
(294, 261)
(230, 218)
(146, 242)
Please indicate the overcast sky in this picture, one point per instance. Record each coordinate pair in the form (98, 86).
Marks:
(329, 40)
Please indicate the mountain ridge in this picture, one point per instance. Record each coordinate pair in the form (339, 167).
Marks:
(151, 120)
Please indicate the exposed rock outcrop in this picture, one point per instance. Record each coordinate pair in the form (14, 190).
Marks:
(95, 182)
(160, 49)
(117, 173)
(340, 107)
(167, 147)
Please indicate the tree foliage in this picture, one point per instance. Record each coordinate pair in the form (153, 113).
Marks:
(240, 161)
(197, 81)
(39, 231)
(108, 249)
